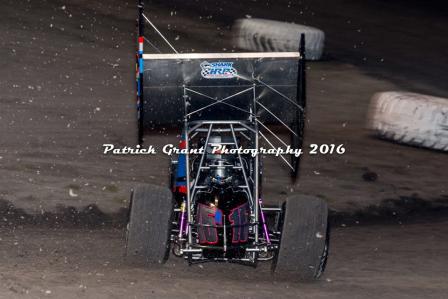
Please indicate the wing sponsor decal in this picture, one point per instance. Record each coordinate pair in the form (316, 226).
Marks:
(218, 70)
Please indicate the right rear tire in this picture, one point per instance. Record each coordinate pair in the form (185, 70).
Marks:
(304, 240)
(149, 226)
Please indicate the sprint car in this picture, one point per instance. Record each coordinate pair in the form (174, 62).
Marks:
(213, 208)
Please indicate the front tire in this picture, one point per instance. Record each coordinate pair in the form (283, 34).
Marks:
(304, 240)
(149, 226)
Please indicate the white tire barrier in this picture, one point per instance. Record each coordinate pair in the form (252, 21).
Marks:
(272, 36)
(410, 118)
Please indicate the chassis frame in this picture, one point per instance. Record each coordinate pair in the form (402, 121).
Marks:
(264, 235)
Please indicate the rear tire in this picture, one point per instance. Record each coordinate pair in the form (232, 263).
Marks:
(304, 241)
(149, 226)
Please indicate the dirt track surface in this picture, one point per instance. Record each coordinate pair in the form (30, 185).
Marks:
(67, 87)
(394, 261)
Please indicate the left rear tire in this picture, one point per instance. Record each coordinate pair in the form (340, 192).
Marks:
(149, 226)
